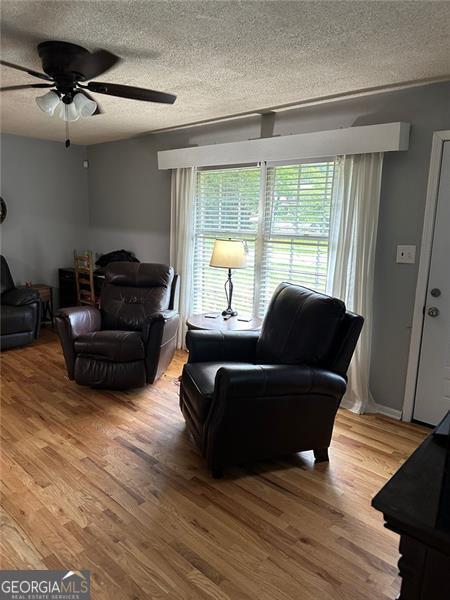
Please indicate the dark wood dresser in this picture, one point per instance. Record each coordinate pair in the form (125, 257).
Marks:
(416, 504)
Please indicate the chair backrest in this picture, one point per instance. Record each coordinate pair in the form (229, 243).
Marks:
(134, 291)
(84, 278)
(305, 327)
(345, 342)
(7, 282)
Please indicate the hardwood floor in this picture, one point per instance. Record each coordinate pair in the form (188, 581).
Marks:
(110, 482)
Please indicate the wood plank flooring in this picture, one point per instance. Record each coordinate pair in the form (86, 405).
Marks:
(111, 482)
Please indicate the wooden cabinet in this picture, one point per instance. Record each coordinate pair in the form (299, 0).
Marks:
(416, 504)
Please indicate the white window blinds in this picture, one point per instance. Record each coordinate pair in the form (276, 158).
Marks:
(283, 215)
(296, 227)
(226, 206)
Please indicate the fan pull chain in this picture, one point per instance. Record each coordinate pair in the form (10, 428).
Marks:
(66, 111)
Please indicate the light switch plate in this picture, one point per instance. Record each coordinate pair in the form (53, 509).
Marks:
(406, 254)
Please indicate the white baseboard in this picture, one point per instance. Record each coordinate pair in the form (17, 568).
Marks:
(388, 411)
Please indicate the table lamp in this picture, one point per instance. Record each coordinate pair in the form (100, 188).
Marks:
(229, 254)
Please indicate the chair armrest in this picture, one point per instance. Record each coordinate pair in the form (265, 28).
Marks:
(277, 380)
(267, 410)
(211, 346)
(165, 315)
(160, 332)
(20, 296)
(79, 320)
(169, 319)
(72, 322)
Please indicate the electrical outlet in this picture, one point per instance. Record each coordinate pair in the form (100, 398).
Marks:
(406, 254)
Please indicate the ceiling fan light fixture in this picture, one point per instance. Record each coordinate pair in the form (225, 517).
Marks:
(64, 66)
(48, 102)
(68, 112)
(84, 106)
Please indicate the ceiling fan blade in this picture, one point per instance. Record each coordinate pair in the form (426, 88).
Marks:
(9, 88)
(94, 64)
(99, 110)
(25, 70)
(129, 91)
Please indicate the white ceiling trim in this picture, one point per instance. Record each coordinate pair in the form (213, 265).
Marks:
(386, 137)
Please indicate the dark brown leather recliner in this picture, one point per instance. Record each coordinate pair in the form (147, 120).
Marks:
(131, 339)
(253, 396)
(20, 312)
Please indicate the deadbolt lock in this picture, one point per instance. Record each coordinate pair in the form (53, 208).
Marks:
(435, 292)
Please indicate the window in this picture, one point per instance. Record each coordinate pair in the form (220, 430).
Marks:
(283, 215)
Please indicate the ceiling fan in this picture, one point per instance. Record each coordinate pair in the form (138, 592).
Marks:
(67, 71)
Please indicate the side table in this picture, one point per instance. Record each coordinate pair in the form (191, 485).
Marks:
(220, 324)
(46, 294)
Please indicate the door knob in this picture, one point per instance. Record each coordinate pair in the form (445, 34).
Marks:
(433, 311)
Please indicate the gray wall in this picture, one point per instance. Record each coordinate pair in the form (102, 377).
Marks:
(129, 201)
(45, 188)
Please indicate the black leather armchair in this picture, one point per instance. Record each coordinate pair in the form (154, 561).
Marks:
(253, 396)
(131, 339)
(20, 312)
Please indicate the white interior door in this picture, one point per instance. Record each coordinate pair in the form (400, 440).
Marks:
(433, 384)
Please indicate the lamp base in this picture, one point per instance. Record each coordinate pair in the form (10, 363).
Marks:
(229, 312)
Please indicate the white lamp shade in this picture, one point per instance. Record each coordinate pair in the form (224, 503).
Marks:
(84, 106)
(48, 102)
(68, 112)
(229, 254)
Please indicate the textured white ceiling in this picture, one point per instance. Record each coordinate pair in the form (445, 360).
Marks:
(221, 57)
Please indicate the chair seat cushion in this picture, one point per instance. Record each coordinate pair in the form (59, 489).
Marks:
(118, 346)
(198, 385)
(16, 319)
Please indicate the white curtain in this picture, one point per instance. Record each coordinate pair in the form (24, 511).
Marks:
(182, 240)
(353, 233)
